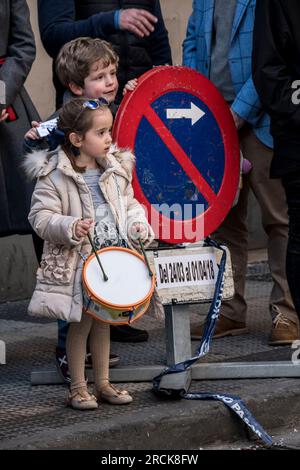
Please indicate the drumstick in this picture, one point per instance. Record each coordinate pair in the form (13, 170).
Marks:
(145, 257)
(98, 259)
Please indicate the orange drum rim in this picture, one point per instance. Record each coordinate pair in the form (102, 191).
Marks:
(125, 322)
(105, 302)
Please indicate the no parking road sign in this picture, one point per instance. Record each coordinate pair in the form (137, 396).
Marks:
(186, 146)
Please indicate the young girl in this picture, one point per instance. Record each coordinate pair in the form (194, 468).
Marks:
(79, 191)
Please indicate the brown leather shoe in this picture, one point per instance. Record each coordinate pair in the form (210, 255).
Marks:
(225, 327)
(284, 331)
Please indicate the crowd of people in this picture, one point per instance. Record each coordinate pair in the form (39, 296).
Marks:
(99, 49)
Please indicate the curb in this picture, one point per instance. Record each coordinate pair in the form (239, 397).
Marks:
(184, 425)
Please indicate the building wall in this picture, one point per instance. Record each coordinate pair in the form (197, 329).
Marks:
(18, 262)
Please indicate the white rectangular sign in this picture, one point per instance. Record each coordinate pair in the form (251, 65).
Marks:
(186, 270)
(46, 127)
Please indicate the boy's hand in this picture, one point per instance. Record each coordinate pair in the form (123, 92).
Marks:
(82, 227)
(138, 231)
(32, 134)
(130, 85)
(138, 22)
(3, 115)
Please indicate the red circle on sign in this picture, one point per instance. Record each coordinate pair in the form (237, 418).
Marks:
(137, 104)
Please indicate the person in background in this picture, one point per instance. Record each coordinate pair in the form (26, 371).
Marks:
(17, 53)
(219, 45)
(135, 28)
(276, 74)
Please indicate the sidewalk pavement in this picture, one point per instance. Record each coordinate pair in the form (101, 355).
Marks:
(35, 417)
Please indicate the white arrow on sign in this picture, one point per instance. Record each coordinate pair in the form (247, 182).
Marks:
(195, 113)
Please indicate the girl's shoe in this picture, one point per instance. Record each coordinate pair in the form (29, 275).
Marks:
(82, 400)
(112, 395)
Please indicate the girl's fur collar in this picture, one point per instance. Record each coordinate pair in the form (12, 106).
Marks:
(40, 162)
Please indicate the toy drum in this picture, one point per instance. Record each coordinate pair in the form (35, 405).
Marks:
(126, 295)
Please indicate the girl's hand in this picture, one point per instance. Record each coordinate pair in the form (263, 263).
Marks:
(130, 86)
(138, 231)
(3, 115)
(32, 134)
(82, 227)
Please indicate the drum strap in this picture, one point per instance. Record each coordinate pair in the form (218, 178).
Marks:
(234, 403)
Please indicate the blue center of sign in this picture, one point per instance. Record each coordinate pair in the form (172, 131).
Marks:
(161, 176)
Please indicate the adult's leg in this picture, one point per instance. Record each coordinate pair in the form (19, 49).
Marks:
(234, 234)
(272, 201)
(291, 185)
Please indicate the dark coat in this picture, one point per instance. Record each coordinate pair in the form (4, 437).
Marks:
(62, 21)
(18, 48)
(276, 66)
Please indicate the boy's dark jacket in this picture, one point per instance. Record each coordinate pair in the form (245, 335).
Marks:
(276, 65)
(62, 21)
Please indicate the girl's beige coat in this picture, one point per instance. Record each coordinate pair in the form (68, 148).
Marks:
(61, 198)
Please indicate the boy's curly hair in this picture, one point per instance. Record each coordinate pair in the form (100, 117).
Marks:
(74, 61)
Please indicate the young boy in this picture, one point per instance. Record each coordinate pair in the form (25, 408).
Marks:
(88, 68)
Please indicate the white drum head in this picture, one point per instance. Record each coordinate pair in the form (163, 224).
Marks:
(128, 278)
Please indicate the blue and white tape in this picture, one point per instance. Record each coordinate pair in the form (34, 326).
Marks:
(234, 403)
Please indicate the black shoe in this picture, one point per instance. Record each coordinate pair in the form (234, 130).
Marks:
(114, 360)
(62, 364)
(127, 334)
